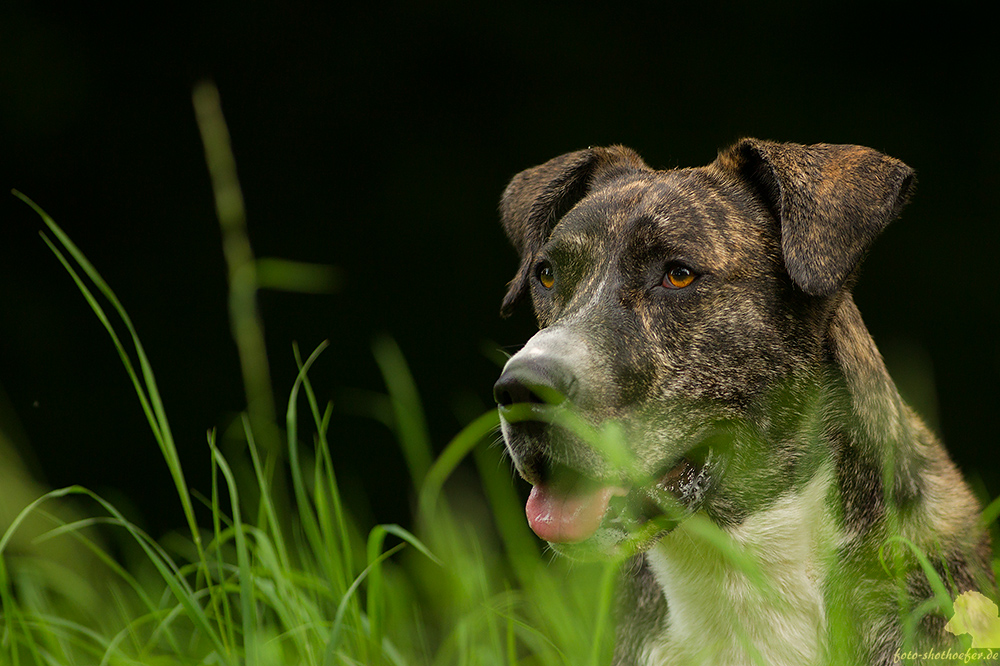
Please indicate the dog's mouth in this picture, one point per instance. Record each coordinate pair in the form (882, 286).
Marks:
(572, 508)
(571, 514)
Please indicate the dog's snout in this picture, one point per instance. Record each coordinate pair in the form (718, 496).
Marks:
(535, 381)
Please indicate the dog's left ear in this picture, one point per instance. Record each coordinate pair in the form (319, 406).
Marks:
(832, 201)
(537, 198)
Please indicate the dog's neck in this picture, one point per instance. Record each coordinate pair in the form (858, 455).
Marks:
(882, 430)
(777, 614)
(721, 614)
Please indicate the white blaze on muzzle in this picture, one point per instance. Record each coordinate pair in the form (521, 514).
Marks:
(556, 365)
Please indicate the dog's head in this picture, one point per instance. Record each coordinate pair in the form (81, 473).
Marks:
(684, 316)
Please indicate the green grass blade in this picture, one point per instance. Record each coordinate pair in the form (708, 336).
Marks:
(990, 513)
(453, 454)
(375, 603)
(147, 390)
(297, 276)
(339, 542)
(244, 316)
(266, 498)
(941, 598)
(519, 541)
(604, 612)
(336, 631)
(411, 429)
(248, 606)
(219, 599)
(409, 538)
(161, 561)
(307, 515)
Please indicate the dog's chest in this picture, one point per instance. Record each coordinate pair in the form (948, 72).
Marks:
(723, 611)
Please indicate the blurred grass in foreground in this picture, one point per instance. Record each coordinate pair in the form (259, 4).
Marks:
(283, 574)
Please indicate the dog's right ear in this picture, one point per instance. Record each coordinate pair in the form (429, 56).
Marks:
(831, 201)
(537, 198)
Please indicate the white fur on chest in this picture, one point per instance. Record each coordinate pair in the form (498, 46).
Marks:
(718, 615)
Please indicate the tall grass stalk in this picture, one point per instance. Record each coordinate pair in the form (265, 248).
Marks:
(244, 317)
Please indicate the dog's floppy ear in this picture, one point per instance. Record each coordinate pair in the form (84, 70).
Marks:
(832, 201)
(536, 199)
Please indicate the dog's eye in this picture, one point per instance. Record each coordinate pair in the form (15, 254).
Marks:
(678, 277)
(546, 275)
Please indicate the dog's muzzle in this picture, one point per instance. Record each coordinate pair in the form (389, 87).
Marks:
(565, 505)
(575, 492)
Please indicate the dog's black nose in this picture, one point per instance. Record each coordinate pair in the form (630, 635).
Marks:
(533, 381)
(510, 390)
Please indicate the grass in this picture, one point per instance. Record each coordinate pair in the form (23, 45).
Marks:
(281, 572)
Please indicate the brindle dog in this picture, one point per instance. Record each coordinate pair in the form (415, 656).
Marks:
(706, 313)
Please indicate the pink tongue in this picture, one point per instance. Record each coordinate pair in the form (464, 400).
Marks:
(566, 517)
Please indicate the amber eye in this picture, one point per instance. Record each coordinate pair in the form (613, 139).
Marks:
(546, 275)
(678, 277)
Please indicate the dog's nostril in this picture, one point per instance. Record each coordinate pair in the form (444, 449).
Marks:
(501, 393)
(536, 379)
(510, 390)
(502, 397)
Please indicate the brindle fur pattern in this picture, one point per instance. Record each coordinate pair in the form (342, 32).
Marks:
(767, 346)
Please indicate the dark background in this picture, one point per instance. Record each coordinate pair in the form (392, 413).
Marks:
(378, 140)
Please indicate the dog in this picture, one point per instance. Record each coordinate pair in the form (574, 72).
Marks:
(703, 317)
